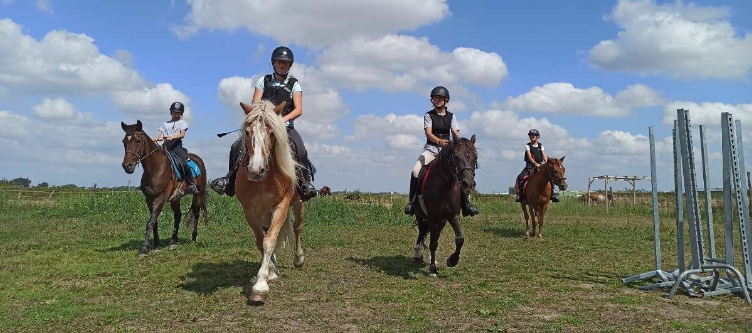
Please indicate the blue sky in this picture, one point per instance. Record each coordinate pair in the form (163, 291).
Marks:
(590, 75)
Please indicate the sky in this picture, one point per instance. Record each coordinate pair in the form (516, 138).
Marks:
(591, 75)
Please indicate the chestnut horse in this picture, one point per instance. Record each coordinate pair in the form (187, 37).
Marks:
(159, 184)
(438, 198)
(266, 190)
(324, 191)
(537, 191)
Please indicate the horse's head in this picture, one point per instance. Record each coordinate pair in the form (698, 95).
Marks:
(264, 134)
(556, 172)
(463, 161)
(136, 143)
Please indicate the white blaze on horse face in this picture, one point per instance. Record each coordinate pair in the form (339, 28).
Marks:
(128, 138)
(257, 165)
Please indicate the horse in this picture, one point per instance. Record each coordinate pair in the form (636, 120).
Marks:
(324, 191)
(537, 191)
(160, 184)
(438, 199)
(267, 190)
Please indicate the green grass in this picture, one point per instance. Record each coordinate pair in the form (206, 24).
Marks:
(70, 265)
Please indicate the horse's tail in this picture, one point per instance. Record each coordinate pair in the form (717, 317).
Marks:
(204, 210)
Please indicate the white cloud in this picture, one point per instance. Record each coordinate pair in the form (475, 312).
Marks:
(404, 142)
(679, 40)
(312, 23)
(55, 109)
(404, 63)
(563, 97)
(61, 62)
(125, 58)
(44, 6)
(152, 105)
(391, 124)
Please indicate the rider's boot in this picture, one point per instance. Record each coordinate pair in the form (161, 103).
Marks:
(468, 209)
(410, 209)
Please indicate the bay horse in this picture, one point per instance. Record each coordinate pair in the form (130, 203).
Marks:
(536, 191)
(438, 199)
(324, 191)
(266, 191)
(160, 184)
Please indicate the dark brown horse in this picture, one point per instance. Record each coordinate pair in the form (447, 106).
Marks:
(537, 191)
(438, 199)
(160, 184)
(324, 191)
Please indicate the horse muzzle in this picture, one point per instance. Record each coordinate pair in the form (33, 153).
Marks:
(129, 167)
(563, 185)
(467, 187)
(256, 175)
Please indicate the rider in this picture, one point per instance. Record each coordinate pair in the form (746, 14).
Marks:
(173, 132)
(438, 123)
(535, 155)
(277, 87)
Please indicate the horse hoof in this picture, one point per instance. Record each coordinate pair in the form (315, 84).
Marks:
(142, 255)
(257, 299)
(173, 247)
(433, 275)
(453, 260)
(298, 265)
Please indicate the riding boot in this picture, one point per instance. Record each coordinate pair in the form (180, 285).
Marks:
(187, 176)
(410, 208)
(307, 191)
(518, 191)
(468, 209)
(226, 185)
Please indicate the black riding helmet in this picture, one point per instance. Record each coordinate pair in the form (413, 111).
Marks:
(440, 91)
(283, 53)
(177, 107)
(533, 131)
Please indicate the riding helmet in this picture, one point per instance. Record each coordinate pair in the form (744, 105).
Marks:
(177, 106)
(283, 53)
(534, 131)
(440, 91)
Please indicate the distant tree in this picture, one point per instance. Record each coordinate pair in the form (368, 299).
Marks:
(21, 182)
(43, 184)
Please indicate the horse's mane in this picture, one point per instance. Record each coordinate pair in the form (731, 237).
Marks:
(446, 152)
(263, 112)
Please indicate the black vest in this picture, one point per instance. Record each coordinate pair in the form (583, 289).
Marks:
(441, 126)
(279, 94)
(536, 152)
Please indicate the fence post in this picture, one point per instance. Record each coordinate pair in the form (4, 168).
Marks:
(51, 193)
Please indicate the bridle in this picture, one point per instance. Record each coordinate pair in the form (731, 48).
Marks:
(553, 177)
(138, 156)
(457, 172)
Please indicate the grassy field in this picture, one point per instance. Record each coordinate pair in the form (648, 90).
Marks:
(69, 264)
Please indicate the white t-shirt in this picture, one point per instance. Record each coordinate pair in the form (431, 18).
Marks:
(170, 128)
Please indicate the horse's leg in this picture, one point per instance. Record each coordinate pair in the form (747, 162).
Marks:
(299, 209)
(459, 240)
(533, 219)
(261, 287)
(155, 208)
(175, 205)
(422, 232)
(435, 234)
(527, 218)
(196, 213)
(541, 214)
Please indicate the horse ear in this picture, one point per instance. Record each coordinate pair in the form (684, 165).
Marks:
(122, 125)
(562, 158)
(472, 139)
(278, 108)
(139, 126)
(246, 108)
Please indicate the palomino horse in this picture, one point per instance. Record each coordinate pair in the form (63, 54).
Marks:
(160, 184)
(438, 198)
(266, 191)
(537, 191)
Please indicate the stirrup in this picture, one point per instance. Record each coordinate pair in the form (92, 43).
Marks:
(410, 209)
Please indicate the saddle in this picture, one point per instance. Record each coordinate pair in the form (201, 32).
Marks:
(522, 185)
(177, 166)
(422, 180)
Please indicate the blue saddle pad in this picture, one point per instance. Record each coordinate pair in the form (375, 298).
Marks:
(195, 171)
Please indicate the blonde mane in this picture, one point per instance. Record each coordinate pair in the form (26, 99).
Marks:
(263, 112)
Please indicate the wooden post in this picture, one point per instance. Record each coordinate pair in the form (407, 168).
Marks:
(51, 193)
(634, 192)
